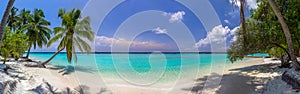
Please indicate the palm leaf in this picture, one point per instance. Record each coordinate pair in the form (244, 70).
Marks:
(59, 29)
(77, 44)
(55, 38)
(85, 45)
(62, 44)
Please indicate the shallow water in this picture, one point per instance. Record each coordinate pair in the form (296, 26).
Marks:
(163, 70)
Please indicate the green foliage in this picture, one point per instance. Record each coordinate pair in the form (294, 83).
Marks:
(265, 33)
(32, 24)
(73, 33)
(36, 27)
(13, 18)
(236, 51)
(14, 44)
(276, 52)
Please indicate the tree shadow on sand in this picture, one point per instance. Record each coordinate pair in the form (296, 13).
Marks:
(83, 89)
(65, 70)
(199, 84)
(44, 88)
(13, 72)
(237, 82)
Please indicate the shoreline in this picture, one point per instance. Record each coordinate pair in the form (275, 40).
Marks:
(90, 82)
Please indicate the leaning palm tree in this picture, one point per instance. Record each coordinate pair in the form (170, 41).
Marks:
(72, 34)
(36, 28)
(283, 25)
(287, 33)
(4, 18)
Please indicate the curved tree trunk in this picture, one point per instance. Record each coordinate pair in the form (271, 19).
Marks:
(286, 32)
(28, 51)
(47, 61)
(284, 62)
(285, 50)
(4, 18)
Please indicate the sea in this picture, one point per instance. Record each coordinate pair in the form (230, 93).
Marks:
(141, 69)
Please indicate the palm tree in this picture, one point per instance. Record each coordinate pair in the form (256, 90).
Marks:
(36, 29)
(283, 25)
(23, 17)
(243, 23)
(286, 32)
(13, 19)
(4, 18)
(72, 34)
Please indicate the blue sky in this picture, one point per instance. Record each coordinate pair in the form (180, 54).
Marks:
(150, 25)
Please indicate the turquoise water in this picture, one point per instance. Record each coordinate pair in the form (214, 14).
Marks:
(259, 54)
(141, 67)
(139, 62)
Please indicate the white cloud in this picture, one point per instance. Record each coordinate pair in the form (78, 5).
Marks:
(103, 41)
(232, 33)
(227, 21)
(104, 44)
(235, 2)
(159, 30)
(251, 4)
(218, 37)
(175, 17)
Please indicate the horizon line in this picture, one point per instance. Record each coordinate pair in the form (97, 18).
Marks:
(141, 52)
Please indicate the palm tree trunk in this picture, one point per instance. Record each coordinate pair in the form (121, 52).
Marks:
(28, 51)
(286, 32)
(4, 61)
(243, 23)
(47, 61)
(4, 18)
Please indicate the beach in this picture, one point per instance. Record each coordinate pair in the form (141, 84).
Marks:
(248, 77)
(150, 47)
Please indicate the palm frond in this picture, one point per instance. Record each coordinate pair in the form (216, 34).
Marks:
(86, 34)
(85, 45)
(59, 30)
(61, 12)
(77, 44)
(62, 44)
(55, 38)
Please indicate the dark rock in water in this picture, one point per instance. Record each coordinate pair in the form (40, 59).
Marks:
(8, 87)
(292, 78)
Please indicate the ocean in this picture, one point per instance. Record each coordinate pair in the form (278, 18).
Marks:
(142, 69)
(137, 61)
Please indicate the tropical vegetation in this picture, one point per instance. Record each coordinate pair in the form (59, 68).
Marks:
(14, 44)
(72, 35)
(25, 30)
(36, 28)
(272, 28)
(5, 18)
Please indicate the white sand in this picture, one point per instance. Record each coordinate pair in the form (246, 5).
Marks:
(248, 77)
(261, 76)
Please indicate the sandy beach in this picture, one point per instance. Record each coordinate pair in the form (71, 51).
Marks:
(246, 77)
